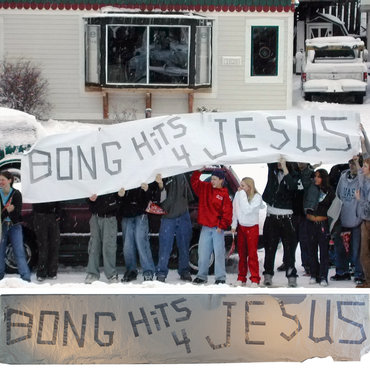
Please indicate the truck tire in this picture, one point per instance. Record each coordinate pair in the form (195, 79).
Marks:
(31, 255)
(193, 260)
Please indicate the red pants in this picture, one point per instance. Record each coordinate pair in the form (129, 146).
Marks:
(247, 249)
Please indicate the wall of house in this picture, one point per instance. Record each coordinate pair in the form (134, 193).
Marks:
(55, 41)
(233, 88)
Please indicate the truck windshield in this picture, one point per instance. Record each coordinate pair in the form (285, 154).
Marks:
(325, 54)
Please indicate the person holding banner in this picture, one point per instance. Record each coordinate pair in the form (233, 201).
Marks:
(347, 236)
(279, 195)
(103, 239)
(176, 194)
(215, 216)
(135, 230)
(46, 217)
(319, 198)
(246, 206)
(363, 208)
(11, 207)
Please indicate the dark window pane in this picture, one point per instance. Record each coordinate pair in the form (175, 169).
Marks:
(168, 55)
(325, 54)
(264, 50)
(126, 46)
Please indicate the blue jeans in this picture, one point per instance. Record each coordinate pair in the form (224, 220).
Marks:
(135, 233)
(211, 241)
(15, 235)
(342, 259)
(182, 228)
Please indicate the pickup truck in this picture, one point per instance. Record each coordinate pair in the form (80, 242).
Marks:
(334, 66)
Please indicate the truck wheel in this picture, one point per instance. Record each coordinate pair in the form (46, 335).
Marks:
(193, 259)
(31, 256)
(359, 99)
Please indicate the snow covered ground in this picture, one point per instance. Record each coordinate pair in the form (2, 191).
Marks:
(70, 280)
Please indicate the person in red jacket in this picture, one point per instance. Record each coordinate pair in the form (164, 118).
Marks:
(215, 216)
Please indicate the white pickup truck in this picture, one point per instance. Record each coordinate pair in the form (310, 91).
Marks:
(334, 66)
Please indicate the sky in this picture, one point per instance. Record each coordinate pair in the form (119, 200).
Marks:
(70, 280)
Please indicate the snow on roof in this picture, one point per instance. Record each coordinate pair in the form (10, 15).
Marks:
(114, 13)
(348, 41)
(331, 17)
(18, 128)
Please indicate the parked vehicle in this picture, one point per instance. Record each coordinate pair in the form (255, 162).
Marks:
(18, 131)
(334, 66)
(75, 230)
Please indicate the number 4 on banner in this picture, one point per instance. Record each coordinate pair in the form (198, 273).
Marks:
(185, 340)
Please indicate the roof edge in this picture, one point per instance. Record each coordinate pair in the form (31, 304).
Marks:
(32, 5)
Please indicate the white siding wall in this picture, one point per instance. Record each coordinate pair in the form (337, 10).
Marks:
(232, 90)
(55, 41)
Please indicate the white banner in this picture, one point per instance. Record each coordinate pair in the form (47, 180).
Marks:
(79, 164)
(189, 328)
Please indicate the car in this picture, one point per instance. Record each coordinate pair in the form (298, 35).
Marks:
(334, 66)
(75, 232)
(18, 131)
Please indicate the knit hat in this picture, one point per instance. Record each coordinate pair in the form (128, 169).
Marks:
(219, 173)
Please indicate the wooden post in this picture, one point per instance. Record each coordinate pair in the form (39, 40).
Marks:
(190, 102)
(105, 105)
(148, 105)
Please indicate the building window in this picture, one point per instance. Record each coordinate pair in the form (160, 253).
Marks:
(264, 50)
(142, 51)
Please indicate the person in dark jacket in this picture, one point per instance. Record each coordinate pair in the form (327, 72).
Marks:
(278, 196)
(306, 174)
(135, 230)
(215, 216)
(319, 198)
(46, 217)
(176, 194)
(103, 239)
(11, 207)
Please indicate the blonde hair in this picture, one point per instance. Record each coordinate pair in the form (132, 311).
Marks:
(250, 182)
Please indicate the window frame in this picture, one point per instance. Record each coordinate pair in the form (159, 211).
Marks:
(180, 21)
(265, 22)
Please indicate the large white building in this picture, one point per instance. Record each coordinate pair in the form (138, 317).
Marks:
(111, 59)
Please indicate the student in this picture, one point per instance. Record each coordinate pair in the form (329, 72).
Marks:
(349, 225)
(215, 216)
(246, 206)
(11, 207)
(46, 217)
(103, 239)
(319, 198)
(363, 198)
(135, 230)
(279, 195)
(175, 223)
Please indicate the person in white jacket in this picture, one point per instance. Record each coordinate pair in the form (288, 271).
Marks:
(246, 206)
